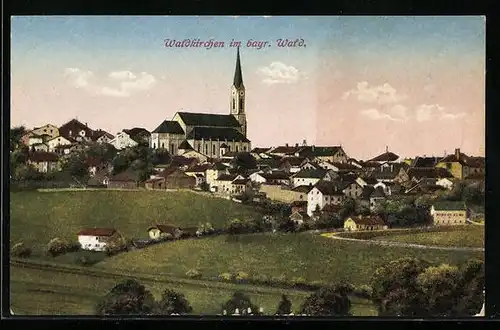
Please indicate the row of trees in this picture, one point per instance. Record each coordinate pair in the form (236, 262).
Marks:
(132, 298)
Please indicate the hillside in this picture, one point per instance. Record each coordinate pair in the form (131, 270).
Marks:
(37, 217)
(312, 257)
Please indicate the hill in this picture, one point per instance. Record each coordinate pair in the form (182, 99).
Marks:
(37, 217)
(75, 291)
(306, 255)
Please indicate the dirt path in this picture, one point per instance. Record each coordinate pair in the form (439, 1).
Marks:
(406, 245)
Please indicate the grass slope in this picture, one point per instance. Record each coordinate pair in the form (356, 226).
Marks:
(312, 257)
(49, 292)
(37, 217)
(470, 236)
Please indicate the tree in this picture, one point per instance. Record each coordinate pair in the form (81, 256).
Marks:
(240, 301)
(127, 298)
(285, 306)
(473, 194)
(173, 302)
(470, 285)
(348, 207)
(244, 161)
(327, 301)
(16, 133)
(76, 165)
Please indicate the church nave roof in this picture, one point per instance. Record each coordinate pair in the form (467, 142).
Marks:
(169, 126)
(207, 119)
(217, 133)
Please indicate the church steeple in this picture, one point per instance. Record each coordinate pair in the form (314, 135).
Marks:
(238, 77)
(237, 106)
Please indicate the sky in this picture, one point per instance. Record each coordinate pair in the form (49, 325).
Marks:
(413, 84)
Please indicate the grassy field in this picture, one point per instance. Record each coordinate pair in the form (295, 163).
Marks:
(50, 292)
(312, 257)
(37, 217)
(468, 236)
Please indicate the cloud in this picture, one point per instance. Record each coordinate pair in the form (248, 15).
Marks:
(397, 113)
(119, 83)
(279, 73)
(426, 112)
(382, 94)
(122, 75)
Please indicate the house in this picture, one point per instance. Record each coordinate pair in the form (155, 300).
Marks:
(310, 177)
(124, 180)
(34, 139)
(350, 187)
(193, 154)
(99, 180)
(26, 137)
(371, 222)
(97, 239)
(298, 206)
(372, 197)
(62, 150)
(285, 150)
(386, 157)
(44, 162)
(448, 213)
(198, 172)
(323, 193)
(50, 130)
(436, 173)
(460, 165)
(241, 185)
(309, 165)
(75, 130)
(223, 183)
(333, 154)
(123, 140)
(299, 217)
(159, 232)
(95, 164)
(390, 172)
(260, 153)
(182, 162)
(101, 136)
(424, 162)
(424, 187)
(58, 141)
(171, 178)
(273, 177)
(292, 164)
(282, 194)
(40, 147)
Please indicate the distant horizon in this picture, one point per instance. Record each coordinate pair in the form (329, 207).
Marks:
(414, 84)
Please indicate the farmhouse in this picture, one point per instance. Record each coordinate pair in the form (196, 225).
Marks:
(298, 206)
(158, 232)
(123, 180)
(449, 213)
(58, 141)
(123, 140)
(278, 193)
(364, 223)
(49, 129)
(322, 194)
(96, 239)
(299, 217)
(310, 177)
(44, 162)
(75, 130)
(333, 154)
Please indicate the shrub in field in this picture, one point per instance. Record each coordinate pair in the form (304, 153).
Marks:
(59, 246)
(20, 250)
(241, 277)
(327, 302)
(228, 277)
(364, 291)
(193, 273)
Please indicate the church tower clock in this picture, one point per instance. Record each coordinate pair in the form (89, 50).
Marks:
(238, 96)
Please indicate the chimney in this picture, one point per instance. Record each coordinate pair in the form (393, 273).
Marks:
(296, 145)
(304, 143)
(312, 148)
(457, 153)
(86, 125)
(386, 148)
(286, 144)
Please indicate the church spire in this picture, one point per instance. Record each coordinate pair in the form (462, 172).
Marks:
(238, 77)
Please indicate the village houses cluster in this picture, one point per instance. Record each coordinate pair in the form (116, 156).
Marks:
(204, 152)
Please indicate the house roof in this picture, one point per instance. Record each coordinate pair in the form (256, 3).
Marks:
(344, 166)
(302, 189)
(169, 229)
(74, 126)
(125, 176)
(217, 133)
(200, 167)
(271, 162)
(100, 133)
(169, 126)
(240, 181)
(219, 166)
(449, 206)
(329, 188)
(311, 174)
(368, 220)
(208, 120)
(464, 160)
(260, 150)
(315, 151)
(185, 145)
(182, 161)
(298, 204)
(429, 172)
(331, 208)
(42, 156)
(475, 176)
(227, 177)
(377, 193)
(367, 192)
(299, 214)
(385, 157)
(293, 161)
(275, 175)
(97, 232)
(287, 150)
(425, 162)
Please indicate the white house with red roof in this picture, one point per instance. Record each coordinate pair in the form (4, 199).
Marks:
(96, 239)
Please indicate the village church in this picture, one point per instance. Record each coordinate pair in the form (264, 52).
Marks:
(209, 134)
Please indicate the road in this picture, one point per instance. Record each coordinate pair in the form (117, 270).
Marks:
(405, 245)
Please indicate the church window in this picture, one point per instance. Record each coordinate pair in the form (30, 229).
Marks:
(237, 149)
(206, 149)
(244, 148)
(199, 147)
(154, 145)
(229, 148)
(213, 149)
(241, 104)
(163, 145)
(234, 104)
(172, 148)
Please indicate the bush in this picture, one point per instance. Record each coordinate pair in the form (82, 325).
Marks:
(364, 291)
(58, 246)
(193, 273)
(298, 282)
(260, 279)
(228, 277)
(20, 250)
(241, 277)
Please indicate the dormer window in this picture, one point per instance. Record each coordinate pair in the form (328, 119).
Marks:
(82, 133)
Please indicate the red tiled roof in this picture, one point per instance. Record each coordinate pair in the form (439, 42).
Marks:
(97, 232)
